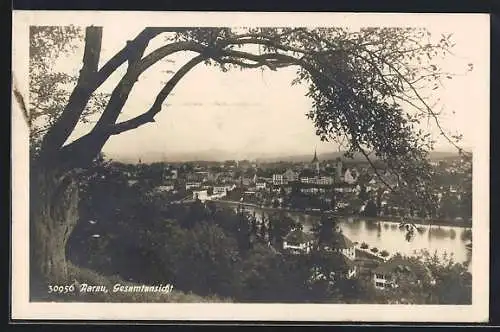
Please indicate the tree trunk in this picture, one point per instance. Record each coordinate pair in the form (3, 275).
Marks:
(53, 215)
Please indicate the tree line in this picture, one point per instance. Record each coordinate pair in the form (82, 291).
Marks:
(207, 250)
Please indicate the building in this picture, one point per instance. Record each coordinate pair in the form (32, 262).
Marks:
(306, 175)
(290, 176)
(192, 185)
(318, 180)
(279, 179)
(346, 247)
(218, 190)
(344, 188)
(170, 174)
(312, 190)
(338, 170)
(246, 181)
(350, 176)
(261, 185)
(297, 242)
(165, 188)
(315, 163)
(202, 195)
(399, 270)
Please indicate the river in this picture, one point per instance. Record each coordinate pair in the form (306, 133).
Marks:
(386, 235)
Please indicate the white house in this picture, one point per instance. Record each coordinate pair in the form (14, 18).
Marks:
(218, 190)
(260, 185)
(347, 248)
(290, 175)
(191, 185)
(350, 177)
(312, 190)
(279, 179)
(297, 241)
(399, 269)
(319, 180)
(165, 188)
(344, 189)
(202, 195)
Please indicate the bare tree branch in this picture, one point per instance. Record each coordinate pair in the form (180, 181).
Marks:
(121, 92)
(421, 99)
(156, 107)
(90, 79)
(63, 127)
(122, 56)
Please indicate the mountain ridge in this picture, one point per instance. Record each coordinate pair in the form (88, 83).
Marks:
(221, 155)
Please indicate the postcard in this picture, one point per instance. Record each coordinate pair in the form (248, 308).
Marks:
(237, 166)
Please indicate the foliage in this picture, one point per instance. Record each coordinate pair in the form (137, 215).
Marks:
(205, 256)
(259, 276)
(453, 280)
(371, 209)
(281, 225)
(205, 260)
(328, 275)
(50, 87)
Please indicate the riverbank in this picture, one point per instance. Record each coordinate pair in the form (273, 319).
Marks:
(391, 219)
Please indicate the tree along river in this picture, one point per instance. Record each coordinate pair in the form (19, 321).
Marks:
(386, 235)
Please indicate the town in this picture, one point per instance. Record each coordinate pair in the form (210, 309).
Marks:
(274, 198)
(344, 187)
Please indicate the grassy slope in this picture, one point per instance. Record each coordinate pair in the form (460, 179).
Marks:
(81, 275)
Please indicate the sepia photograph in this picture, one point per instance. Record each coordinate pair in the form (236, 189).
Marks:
(250, 166)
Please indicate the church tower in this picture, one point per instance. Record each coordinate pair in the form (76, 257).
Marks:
(339, 170)
(315, 162)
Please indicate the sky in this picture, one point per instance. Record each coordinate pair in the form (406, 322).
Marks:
(253, 112)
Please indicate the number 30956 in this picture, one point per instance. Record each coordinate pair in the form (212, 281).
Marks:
(61, 289)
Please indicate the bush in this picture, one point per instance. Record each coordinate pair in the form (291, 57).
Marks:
(375, 250)
(364, 245)
(384, 253)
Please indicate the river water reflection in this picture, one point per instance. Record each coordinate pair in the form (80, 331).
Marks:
(386, 235)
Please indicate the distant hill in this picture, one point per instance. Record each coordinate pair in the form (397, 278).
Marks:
(357, 157)
(443, 155)
(305, 157)
(148, 157)
(221, 155)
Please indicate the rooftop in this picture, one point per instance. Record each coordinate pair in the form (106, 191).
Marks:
(298, 236)
(344, 242)
(315, 158)
(400, 264)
